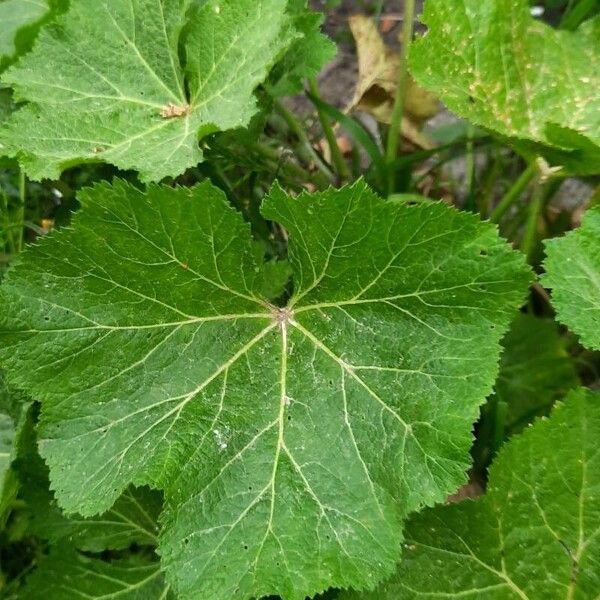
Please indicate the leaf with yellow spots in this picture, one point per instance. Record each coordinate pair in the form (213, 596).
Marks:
(491, 62)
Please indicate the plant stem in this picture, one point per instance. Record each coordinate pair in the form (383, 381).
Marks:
(533, 215)
(21, 210)
(293, 170)
(514, 193)
(470, 170)
(336, 153)
(298, 130)
(398, 110)
(490, 181)
(6, 225)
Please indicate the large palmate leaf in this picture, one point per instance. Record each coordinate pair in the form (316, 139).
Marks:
(290, 442)
(533, 536)
(492, 63)
(66, 573)
(105, 82)
(573, 273)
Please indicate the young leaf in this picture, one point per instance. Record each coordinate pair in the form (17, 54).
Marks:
(14, 16)
(66, 573)
(573, 273)
(535, 370)
(105, 82)
(290, 442)
(305, 57)
(534, 535)
(492, 63)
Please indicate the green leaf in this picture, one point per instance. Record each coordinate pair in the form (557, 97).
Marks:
(6, 104)
(573, 273)
(305, 57)
(133, 519)
(534, 535)
(105, 82)
(66, 573)
(492, 63)
(14, 16)
(535, 370)
(290, 442)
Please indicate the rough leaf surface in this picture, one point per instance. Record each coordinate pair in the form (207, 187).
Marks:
(290, 442)
(533, 536)
(573, 274)
(535, 370)
(492, 63)
(66, 573)
(105, 82)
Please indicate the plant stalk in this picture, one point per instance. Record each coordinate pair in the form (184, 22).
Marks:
(533, 215)
(514, 193)
(398, 110)
(298, 130)
(336, 153)
(21, 210)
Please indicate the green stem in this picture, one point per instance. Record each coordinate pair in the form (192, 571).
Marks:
(398, 110)
(533, 216)
(490, 180)
(298, 130)
(336, 153)
(470, 169)
(514, 193)
(6, 225)
(291, 169)
(21, 210)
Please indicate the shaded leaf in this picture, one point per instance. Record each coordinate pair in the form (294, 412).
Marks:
(535, 370)
(290, 442)
(66, 573)
(534, 535)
